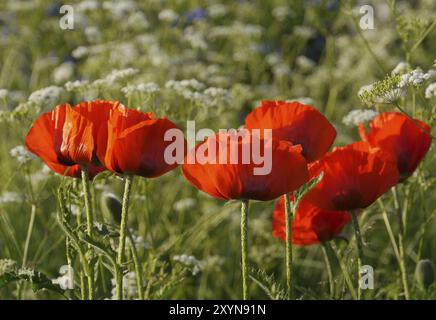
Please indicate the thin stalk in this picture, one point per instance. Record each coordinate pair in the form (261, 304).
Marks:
(123, 231)
(403, 269)
(328, 265)
(89, 224)
(138, 269)
(389, 229)
(82, 286)
(343, 268)
(289, 216)
(359, 246)
(244, 248)
(29, 235)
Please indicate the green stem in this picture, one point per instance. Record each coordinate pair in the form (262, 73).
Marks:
(389, 229)
(29, 235)
(289, 216)
(138, 269)
(325, 251)
(123, 230)
(403, 269)
(359, 246)
(89, 224)
(344, 270)
(244, 250)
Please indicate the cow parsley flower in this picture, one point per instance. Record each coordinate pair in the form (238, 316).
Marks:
(80, 52)
(146, 88)
(354, 117)
(195, 265)
(400, 68)
(64, 72)
(3, 94)
(10, 197)
(76, 85)
(21, 154)
(184, 204)
(46, 96)
(430, 91)
(121, 75)
(414, 78)
(168, 15)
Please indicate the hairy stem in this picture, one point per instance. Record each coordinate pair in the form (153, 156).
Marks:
(289, 216)
(244, 249)
(89, 224)
(403, 269)
(359, 246)
(123, 231)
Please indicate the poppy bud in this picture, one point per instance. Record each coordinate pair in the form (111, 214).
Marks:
(111, 206)
(424, 273)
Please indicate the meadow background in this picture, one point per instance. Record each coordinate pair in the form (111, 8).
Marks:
(212, 62)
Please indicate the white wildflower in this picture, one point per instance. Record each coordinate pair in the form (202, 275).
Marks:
(87, 5)
(195, 39)
(63, 73)
(168, 15)
(3, 94)
(305, 63)
(129, 284)
(184, 204)
(80, 52)
(138, 20)
(147, 88)
(120, 8)
(76, 85)
(217, 10)
(21, 154)
(120, 75)
(191, 262)
(281, 12)
(10, 197)
(401, 68)
(92, 34)
(66, 280)
(46, 96)
(414, 78)
(354, 117)
(273, 59)
(303, 32)
(281, 70)
(430, 91)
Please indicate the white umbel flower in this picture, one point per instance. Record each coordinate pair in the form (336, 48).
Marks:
(414, 78)
(430, 91)
(46, 96)
(354, 117)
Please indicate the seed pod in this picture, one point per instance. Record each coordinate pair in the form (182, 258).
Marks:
(111, 206)
(424, 273)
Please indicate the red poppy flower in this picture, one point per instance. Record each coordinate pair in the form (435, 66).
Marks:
(296, 123)
(133, 143)
(402, 139)
(354, 177)
(65, 138)
(311, 225)
(224, 178)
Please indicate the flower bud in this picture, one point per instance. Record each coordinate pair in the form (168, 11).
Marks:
(424, 273)
(111, 206)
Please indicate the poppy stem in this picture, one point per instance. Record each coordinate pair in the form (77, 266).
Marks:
(403, 269)
(359, 246)
(89, 224)
(123, 231)
(328, 263)
(244, 250)
(289, 216)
